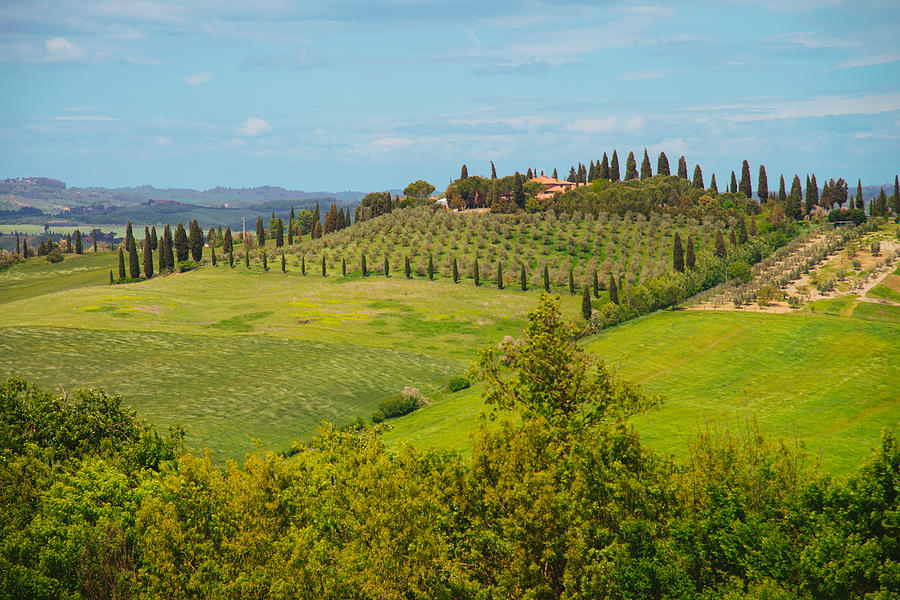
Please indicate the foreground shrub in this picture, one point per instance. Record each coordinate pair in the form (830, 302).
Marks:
(458, 383)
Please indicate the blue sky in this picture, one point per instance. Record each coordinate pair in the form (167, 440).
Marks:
(369, 95)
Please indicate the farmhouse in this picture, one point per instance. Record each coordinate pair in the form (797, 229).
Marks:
(552, 186)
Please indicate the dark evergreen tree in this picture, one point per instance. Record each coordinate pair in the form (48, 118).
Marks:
(406, 268)
(303, 265)
(614, 167)
(247, 258)
(592, 172)
(815, 190)
(518, 191)
(662, 164)
(555, 176)
(362, 265)
(324, 266)
(227, 240)
(860, 200)
(690, 259)
(260, 233)
(546, 278)
(895, 199)
(290, 230)
(279, 233)
(646, 171)
(782, 196)
(387, 267)
(733, 187)
(762, 185)
(70, 247)
(742, 231)
(265, 260)
(195, 241)
(678, 254)
(231, 259)
(161, 259)
(283, 263)
(315, 224)
(720, 244)
(121, 264)
(603, 171)
(882, 203)
(596, 284)
(148, 260)
(476, 276)
(464, 172)
(500, 274)
(582, 174)
(25, 248)
(211, 238)
(94, 239)
(430, 267)
(751, 229)
(808, 198)
(731, 237)
(129, 236)
(110, 277)
(571, 281)
(455, 271)
(134, 265)
(493, 171)
(586, 308)
(613, 289)
(713, 185)
(745, 188)
(523, 281)
(343, 267)
(698, 178)
(630, 167)
(573, 176)
(79, 245)
(181, 243)
(794, 205)
(214, 260)
(18, 245)
(682, 168)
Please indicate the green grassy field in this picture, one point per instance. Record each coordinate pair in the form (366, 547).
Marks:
(35, 276)
(234, 354)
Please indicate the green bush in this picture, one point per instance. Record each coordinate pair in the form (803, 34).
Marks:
(458, 383)
(739, 270)
(398, 405)
(185, 266)
(377, 416)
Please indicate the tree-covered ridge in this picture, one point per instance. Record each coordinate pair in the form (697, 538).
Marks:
(560, 501)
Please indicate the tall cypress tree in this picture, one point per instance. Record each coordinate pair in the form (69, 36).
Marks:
(161, 259)
(720, 244)
(214, 260)
(25, 248)
(518, 191)
(745, 188)
(316, 223)
(247, 258)
(762, 185)
(698, 177)
(614, 167)
(895, 199)
(586, 308)
(324, 267)
(794, 206)
(265, 260)
(362, 265)
(662, 164)
(860, 200)
(430, 267)
(742, 231)
(343, 267)
(279, 233)
(231, 258)
(523, 281)
(94, 239)
(227, 240)
(782, 196)
(121, 264)
(713, 185)
(646, 171)
(476, 276)
(689, 257)
(406, 268)
(18, 245)
(571, 281)
(260, 233)
(455, 271)
(678, 254)
(733, 187)
(283, 262)
(70, 247)
(596, 285)
(630, 167)
(181, 243)
(500, 274)
(546, 278)
(682, 168)
(303, 265)
(79, 246)
(134, 266)
(195, 241)
(613, 289)
(493, 171)
(555, 176)
(387, 267)
(129, 236)
(290, 230)
(815, 190)
(464, 172)
(148, 259)
(808, 198)
(603, 171)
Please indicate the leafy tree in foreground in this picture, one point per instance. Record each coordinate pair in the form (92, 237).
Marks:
(678, 254)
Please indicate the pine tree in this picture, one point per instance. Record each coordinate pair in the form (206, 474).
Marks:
(614, 167)
(362, 265)
(782, 196)
(134, 266)
(603, 172)
(523, 282)
(613, 289)
(464, 172)
(455, 271)
(698, 178)
(430, 267)
(690, 259)
(279, 233)
(662, 164)
(794, 207)
(733, 187)
(260, 233)
(181, 243)
(476, 276)
(731, 237)
(406, 268)
(720, 244)
(283, 263)
(571, 281)
(586, 308)
(646, 171)
(682, 168)
(500, 274)
(762, 185)
(79, 245)
(343, 267)
(195, 241)
(596, 284)
(745, 188)
(678, 254)
(630, 167)
(227, 240)
(493, 171)
(121, 264)
(713, 185)
(742, 231)
(148, 260)
(752, 228)
(546, 278)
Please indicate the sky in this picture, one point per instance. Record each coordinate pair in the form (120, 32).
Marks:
(372, 94)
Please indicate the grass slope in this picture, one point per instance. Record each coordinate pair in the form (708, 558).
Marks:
(35, 276)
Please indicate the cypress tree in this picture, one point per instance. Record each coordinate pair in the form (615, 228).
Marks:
(662, 164)
(134, 267)
(464, 172)
(290, 230)
(279, 233)
(613, 290)
(129, 236)
(148, 260)
(682, 168)
(227, 240)
(742, 231)
(94, 238)
(500, 274)
(586, 307)
(882, 203)
(121, 264)
(678, 254)
(195, 241)
(303, 265)
(181, 243)
(603, 172)
(752, 228)
(18, 245)
(689, 258)
(455, 271)
(215, 260)
(546, 278)
(211, 238)
(614, 167)
(733, 188)
(555, 176)
(523, 282)
(630, 167)
(493, 171)
(324, 268)
(283, 263)
(815, 190)
(573, 176)
(387, 267)
(316, 222)
(231, 258)
(362, 263)
(712, 184)
(720, 244)
(25, 248)
(895, 199)
(70, 247)
(596, 285)
(79, 245)
(161, 259)
(698, 178)
(808, 198)
(860, 200)
(343, 267)
(745, 188)
(260, 233)
(646, 172)
(794, 207)
(265, 260)
(762, 185)
(731, 237)
(407, 271)
(430, 267)
(782, 196)
(475, 274)
(247, 258)
(518, 191)
(110, 277)
(571, 281)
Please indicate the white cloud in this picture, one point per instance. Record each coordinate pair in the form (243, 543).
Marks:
(83, 118)
(388, 144)
(164, 141)
(254, 126)
(606, 125)
(648, 74)
(198, 78)
(822, 106)
(61, 49)
(868, 61)
(878, 136)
